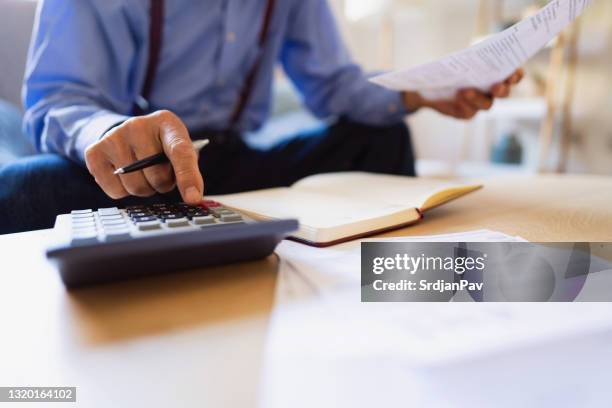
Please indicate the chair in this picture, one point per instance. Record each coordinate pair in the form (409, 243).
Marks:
(16, 21)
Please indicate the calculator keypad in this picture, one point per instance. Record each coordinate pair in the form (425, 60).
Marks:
(114, 224)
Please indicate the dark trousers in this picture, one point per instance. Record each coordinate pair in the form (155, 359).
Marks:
(35, 189)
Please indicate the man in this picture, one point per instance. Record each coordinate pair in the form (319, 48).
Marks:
(109, 82)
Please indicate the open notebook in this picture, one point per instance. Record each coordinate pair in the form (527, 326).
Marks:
(337, 207)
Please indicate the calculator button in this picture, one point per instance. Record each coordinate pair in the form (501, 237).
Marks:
(84, 225)
(165, 211)
(108, 211)
(149, 226)
(114, 224)
(118, 227)
(105, 218)
(159, 210)
(219, 212)
(204, 220)
(179, 222)
(146, 218)
(210, 204)
(81, 238)
(231, 218)
(112, 218)
(82, 216)
(196, 211)
(89, 220)
(81, 212)
(141, 214)
(175, 216)
(117, 235)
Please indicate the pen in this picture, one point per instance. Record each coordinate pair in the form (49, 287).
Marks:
(156, 159)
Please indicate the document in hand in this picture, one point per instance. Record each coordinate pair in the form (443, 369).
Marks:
(490, 61)
(337, 207)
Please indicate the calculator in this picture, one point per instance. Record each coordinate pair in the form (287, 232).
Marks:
(113, 244)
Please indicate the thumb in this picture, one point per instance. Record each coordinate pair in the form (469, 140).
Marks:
(179, 149)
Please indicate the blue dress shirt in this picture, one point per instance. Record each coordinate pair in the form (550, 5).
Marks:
(88, 59)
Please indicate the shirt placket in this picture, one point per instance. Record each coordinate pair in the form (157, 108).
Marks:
(228, 43)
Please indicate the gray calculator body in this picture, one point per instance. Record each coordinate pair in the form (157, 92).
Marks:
(109, 244)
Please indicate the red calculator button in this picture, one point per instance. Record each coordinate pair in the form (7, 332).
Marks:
(210, 204)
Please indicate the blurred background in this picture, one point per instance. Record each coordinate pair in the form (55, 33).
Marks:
(558, 120)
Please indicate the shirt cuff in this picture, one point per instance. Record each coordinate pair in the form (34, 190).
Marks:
(95, 128)
(398, 106)
(393, 108)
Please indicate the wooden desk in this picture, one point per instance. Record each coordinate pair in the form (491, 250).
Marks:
(196, 339)
(543, 208)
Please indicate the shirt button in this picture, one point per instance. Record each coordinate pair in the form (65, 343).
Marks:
(392, 108)
(221, 82)
(231, 37)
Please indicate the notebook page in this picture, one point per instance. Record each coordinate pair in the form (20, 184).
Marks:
(380, 190)
(312, 208)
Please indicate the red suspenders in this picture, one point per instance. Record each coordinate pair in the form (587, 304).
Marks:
(155, 44)
(252, 75)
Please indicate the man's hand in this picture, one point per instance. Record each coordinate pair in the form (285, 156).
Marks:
(468, 102)
(141, 137)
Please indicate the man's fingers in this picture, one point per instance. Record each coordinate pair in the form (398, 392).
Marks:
(160, 177)
(102, 170)
(466, 104)
(185, 163)
(468, 112)
(461, 108)
(476, 99)
(456, 109)
(136, 184)
(120, 154)
(500, 90)
(179, 149)
(516, 77)
(111, 184)
(136, 139)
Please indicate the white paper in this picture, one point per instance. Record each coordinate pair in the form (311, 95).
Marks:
(326, 348)
(329, 355)
(306, 271)
(490, 61)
